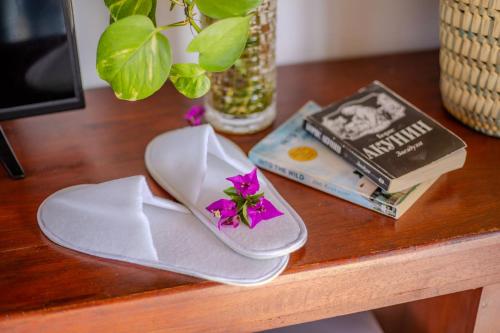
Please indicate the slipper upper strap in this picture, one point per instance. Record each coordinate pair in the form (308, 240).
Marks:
(199, 144)
(112, 216)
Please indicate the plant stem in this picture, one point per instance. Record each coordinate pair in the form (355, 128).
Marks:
(188, 11)
(173, 25)
(175, 2)
(194, 25)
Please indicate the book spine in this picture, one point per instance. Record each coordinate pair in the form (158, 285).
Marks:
(340, 149)
(318, 184)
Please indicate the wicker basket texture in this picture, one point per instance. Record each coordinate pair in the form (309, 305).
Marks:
(470, 62)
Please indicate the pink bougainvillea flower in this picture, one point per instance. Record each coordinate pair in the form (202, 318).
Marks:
(261, 211)
(247, 184)
(195, 115)
(245, 206)
(223, 208)
(233, 221)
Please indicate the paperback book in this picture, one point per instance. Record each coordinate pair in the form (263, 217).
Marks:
(387, 139)
(291, 152)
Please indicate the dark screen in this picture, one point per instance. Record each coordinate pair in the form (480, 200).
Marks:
(36, 61)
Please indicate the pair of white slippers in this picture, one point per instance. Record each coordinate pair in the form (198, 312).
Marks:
(122, 220)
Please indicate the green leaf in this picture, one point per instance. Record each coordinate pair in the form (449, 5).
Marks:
(190, 80)
(244, 215)
(122, 8)
(221, 44)
(230, 191)
(152, 12)
(235, 196)
(253, 199)
(134, 58)
(220, 9)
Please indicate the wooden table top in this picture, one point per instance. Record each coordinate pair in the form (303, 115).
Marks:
(354, 259)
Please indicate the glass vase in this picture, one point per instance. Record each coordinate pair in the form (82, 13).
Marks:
(242, 99)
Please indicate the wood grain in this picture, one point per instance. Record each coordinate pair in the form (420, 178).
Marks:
(106, 140)
(488, 320)
(353, 286)
(452, 313)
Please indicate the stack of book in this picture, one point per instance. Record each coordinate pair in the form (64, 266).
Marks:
(373, 148)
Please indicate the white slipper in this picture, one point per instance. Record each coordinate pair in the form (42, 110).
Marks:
(122, 220)
(192, 164)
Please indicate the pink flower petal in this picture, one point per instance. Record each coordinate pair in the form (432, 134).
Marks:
(262, 211)
(194, 115)
(247, 184)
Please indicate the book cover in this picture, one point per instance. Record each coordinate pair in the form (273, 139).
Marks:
(291, 152)
(381, 134)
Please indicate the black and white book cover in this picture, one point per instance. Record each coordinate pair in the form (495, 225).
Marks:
(381, 134)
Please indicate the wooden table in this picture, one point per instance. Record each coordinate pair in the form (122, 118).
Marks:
(354, 260)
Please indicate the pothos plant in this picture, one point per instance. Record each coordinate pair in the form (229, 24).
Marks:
(135, 57)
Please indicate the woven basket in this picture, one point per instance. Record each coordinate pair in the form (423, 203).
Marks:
(470, 62)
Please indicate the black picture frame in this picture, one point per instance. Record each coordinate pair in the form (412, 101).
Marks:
(76, 102)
